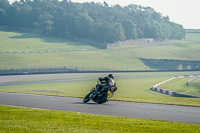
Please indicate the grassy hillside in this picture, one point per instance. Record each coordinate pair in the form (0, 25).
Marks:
(22, 50)
(194, 37)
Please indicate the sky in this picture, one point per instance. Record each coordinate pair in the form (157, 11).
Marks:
(184, 12)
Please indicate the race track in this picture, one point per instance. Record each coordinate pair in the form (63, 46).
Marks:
(185, 114)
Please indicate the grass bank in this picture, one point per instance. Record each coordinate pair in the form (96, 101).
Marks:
(180, 85)
(15, 119)
(28, 50)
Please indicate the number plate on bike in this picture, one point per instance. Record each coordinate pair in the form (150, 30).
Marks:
(110, 94)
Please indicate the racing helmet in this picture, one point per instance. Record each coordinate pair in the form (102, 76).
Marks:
(111, 76)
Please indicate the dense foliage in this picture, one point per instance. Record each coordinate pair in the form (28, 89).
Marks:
(91, 21)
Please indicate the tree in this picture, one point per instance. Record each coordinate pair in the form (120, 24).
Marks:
(83, 26)
(116, 33)
(102, 32)
(44, 23)
(105, 4)
(4, 6)
(130, 29)
(93, 21)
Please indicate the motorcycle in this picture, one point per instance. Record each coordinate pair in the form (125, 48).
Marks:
(101, 96)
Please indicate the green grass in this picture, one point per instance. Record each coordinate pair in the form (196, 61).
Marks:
(180, 85)
(174, 50)
(195, 37)
(60, 52)
(93, 60)
(15, 119)
(19, 41)
(39, 51)
(131, 87)
(195, 83)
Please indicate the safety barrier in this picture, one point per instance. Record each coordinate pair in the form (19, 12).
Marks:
(37, 70)
(44, 51)
(163, 91)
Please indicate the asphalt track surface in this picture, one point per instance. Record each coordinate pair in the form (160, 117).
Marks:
(184, 114)
(174, 113)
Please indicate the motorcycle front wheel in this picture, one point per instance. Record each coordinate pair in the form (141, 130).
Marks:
(87, 98)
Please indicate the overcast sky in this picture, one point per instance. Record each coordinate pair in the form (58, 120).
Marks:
(184, 12)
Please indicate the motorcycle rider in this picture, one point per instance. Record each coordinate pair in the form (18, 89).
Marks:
(109, 82)
(105, 83)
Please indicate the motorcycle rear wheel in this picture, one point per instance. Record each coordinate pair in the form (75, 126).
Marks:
(102, 99)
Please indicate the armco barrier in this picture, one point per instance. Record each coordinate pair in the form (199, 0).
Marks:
(175, 94)
(37, 71)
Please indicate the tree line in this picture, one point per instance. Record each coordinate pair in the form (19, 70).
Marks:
(92, 21)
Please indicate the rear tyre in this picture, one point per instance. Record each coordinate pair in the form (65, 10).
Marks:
(103, 99)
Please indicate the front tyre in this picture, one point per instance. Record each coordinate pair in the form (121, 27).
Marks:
(87, 98)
